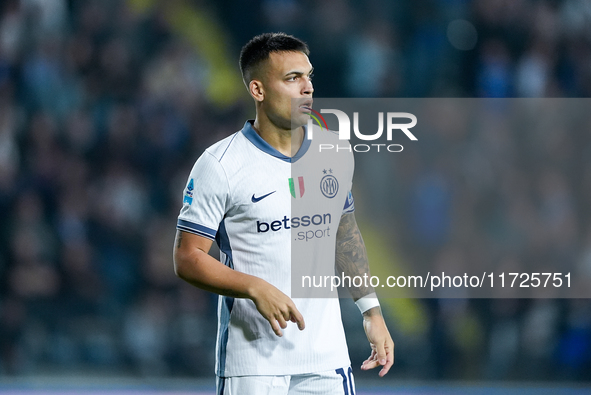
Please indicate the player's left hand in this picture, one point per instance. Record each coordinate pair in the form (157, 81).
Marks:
(382, 345)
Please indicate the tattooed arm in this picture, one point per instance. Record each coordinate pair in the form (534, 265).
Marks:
(351, 259)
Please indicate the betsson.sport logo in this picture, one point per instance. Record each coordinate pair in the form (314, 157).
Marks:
(320, 224)
(345, 130)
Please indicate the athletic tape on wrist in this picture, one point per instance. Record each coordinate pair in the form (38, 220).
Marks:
(367, 302)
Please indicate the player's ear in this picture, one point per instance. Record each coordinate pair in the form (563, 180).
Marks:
(256, 90)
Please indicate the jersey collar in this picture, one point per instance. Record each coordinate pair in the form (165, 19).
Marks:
(261, 144)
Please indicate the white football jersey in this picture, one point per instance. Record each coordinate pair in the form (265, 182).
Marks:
(267, 212)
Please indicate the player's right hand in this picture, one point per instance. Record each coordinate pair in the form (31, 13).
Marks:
(276, 307)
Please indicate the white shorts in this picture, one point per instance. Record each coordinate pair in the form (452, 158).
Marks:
(331, 382)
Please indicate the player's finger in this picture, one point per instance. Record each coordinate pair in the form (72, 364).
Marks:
(369, 365)
(372, 357)
(276, 328)
(388, 365)
(298, 318)
(382, 355)
(371, 362)
(282, 322)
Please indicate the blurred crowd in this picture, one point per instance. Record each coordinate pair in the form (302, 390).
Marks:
(106, 104)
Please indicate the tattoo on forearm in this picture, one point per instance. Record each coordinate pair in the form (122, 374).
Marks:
(351, 256)
(179, 238)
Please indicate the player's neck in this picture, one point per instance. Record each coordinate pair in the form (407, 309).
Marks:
(288, 142)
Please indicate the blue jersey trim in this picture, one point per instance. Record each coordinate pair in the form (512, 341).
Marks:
(220, 384)
(227, 147)
(261, 144)
(199, 230)
(223, 242)
(227, 302)
(349, 204)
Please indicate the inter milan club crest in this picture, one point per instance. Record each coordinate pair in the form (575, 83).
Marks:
(329, 186)
(297, 190)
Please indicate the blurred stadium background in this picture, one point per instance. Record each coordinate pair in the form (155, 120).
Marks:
(106, 104)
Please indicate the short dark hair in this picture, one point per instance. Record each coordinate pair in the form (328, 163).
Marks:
(259, 47)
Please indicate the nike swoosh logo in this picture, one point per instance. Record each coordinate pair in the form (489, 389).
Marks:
(258, 199)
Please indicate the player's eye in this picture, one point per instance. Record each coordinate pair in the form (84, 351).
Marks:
(311, 76)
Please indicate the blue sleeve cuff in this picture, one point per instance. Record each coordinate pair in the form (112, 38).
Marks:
(199, 230)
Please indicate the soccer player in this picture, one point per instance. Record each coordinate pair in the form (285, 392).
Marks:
(242, 193)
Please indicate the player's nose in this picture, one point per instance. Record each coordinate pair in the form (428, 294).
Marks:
(308, 88)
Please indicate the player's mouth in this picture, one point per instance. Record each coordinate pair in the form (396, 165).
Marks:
(307, 106)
